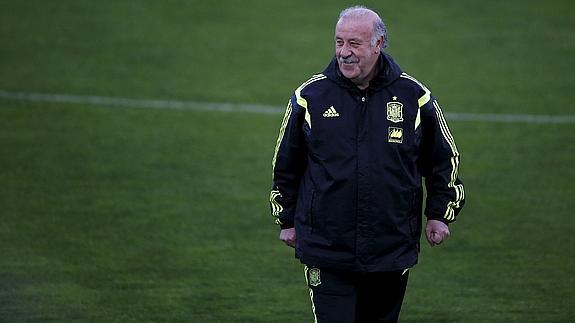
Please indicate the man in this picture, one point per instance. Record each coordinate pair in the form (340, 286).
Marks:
(354, 145)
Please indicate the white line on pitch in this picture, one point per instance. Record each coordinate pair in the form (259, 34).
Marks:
(253, 108)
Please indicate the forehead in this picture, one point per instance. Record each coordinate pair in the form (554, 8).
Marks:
(354, 28)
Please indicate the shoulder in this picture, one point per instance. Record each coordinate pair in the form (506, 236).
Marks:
(421, 91)
(410, 81)
(314, 79)
(307, 88)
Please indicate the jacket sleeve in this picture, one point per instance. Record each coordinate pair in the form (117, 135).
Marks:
(440, 166)
(288, 165)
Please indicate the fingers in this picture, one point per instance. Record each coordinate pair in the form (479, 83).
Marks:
(289, 242)
(428, 237)
(436, 237)
(436, 234)
(433, 238)
(288, 236)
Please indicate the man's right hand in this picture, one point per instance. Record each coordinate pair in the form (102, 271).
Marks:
(288, 236)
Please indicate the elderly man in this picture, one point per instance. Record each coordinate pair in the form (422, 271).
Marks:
(354, 145)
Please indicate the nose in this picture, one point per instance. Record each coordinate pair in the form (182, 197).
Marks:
(345, 50)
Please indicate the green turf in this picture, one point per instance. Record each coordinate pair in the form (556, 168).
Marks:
(113, 214)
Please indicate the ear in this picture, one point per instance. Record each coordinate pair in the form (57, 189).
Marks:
(379, 45)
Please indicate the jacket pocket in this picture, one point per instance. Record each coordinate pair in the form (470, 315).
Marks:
(310, 211)
(415, 214)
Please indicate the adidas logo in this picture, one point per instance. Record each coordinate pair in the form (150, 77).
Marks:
(330, 113)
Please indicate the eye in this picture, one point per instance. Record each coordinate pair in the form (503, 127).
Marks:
(339, 42)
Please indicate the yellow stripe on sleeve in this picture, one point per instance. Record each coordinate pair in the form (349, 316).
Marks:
(424, 99)
(459, 191)
(303, 102)
(281, 134)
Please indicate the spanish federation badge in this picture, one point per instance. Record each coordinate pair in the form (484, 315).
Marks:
(314, 277)
(395, 111)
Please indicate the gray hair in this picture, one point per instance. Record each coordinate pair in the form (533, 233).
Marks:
(379, 28)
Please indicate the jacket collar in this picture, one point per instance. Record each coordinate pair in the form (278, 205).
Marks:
(388, 72)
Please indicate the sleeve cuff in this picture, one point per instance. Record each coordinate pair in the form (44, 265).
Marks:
(438, 218)
(284, 224)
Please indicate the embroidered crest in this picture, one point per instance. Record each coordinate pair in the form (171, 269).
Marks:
(395, 111)
(395, 135)
(314, 277)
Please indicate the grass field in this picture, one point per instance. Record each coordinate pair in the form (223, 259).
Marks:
(111, 214)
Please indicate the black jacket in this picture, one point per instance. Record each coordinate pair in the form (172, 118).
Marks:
(348, 168)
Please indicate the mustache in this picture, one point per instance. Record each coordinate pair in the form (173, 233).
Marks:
(348, 60)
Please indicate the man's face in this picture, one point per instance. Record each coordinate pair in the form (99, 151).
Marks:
(355, 55)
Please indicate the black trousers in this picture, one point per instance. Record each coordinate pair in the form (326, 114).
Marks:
(347, 297)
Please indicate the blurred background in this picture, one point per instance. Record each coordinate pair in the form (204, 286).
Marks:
(136, 140)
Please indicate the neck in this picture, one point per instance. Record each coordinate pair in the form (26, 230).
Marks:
(363, 83)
